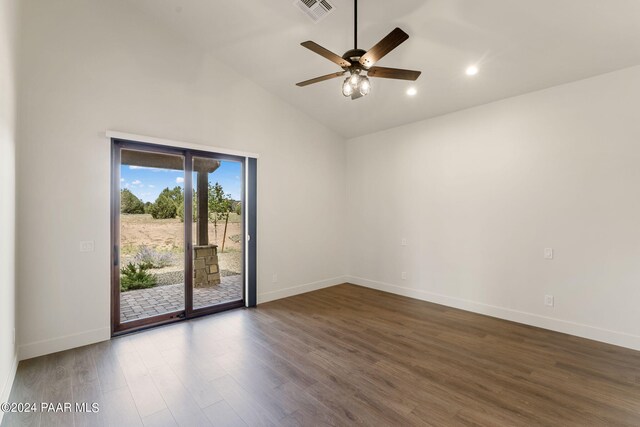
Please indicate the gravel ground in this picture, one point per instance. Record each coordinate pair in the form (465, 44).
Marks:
(170, 277)
(231, 262)
(230, 265)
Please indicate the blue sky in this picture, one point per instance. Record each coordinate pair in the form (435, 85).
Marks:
(147, 183)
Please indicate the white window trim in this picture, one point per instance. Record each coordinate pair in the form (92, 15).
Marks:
(112, 134)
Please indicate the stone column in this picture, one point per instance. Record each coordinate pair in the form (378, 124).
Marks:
(206, 272)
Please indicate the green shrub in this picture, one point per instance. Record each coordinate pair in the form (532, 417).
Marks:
(167, 203)
(130, 203)
(135, 276)
(163, 208)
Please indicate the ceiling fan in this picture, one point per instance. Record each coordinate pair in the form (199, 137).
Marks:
(356, 62)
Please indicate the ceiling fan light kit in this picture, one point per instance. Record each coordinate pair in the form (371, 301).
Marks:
(356, 83)
(356, 62)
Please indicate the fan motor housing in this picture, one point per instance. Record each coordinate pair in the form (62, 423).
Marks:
(353, 56)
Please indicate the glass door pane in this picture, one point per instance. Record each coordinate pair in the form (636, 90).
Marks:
(217, 232)
(152, 234)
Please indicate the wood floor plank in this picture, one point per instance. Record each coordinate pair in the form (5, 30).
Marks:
(336, 357)
(84, 368)
(120, 409)
(86, 394)
(107, 366)
(160, 419)
(145, 394)
(201, 389)
(250, 410)
(27, 387)
(148, 351)
(221, 414)
(304, 409)
(180, 402)
(345, 406)
(58, 389)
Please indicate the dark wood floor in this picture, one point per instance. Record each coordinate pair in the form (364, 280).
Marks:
(339, 356)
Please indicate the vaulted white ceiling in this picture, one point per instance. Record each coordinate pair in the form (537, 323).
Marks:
(519, 46)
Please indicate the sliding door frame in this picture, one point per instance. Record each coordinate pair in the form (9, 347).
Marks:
(248, 203)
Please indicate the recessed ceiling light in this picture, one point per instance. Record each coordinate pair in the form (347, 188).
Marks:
(472, 70)
(412, 91)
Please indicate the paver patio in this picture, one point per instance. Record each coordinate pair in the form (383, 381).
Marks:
(143, 303)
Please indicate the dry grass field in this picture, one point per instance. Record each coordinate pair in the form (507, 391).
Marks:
(167, 235)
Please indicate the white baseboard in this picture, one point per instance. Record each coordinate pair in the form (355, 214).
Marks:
(8, 384)
(621, 339)
(300, 289)
(53, 345)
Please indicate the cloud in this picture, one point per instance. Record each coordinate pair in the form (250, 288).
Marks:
(136, 182)
(121, 179)
(151, 186)
(179, 180)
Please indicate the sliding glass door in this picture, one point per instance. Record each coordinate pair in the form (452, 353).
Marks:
(152, 236)
(217, 232)
(178, 234)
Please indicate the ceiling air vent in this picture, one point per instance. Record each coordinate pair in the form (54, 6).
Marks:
(315, 9)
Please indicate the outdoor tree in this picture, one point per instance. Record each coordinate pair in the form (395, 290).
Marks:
(237, 207)
(176, 194)
(167, 203)
(130, 203)
(195, 208)
(219, 206)
(163, 208)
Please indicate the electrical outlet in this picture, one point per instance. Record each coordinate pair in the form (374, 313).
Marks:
(274, 278)
(403, 242)
(548, 300)
(403, 275)
(87, 246)
(548, 253)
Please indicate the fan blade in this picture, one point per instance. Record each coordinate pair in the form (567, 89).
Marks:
(320, 79)
(384, 46)
(394, 73)
(315, 47)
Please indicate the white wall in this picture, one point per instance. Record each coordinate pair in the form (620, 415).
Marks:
(480, 193)
(7, 195)
(89, 66)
